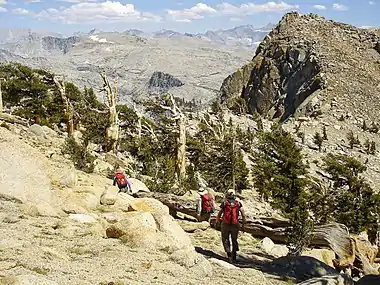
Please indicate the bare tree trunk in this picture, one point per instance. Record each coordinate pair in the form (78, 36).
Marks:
(67, 108)
(139, 124)
(233, 163)
(1, 97)
(13, 119)
(181, 149)
(112, 131)
(180, 121)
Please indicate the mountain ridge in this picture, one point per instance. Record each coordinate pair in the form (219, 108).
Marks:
(307, 56)
(238, 35)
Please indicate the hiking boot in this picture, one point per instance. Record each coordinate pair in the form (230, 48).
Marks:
(233, 257)
(229, 255)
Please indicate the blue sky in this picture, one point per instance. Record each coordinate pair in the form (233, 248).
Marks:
(67, 16)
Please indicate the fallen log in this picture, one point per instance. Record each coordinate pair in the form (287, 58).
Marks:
(174, 203)
(334, 236)
(13, 119)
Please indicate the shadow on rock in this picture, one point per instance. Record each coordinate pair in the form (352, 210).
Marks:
(369, 280)
(298, 268)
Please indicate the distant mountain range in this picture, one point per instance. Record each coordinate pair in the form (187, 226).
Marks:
(134, 56)
(16, 35)
(246, 35)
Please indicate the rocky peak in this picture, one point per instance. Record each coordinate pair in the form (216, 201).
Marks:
(162, 82)
(62, 44)
(307, 55)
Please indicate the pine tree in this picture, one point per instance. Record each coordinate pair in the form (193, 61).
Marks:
(216, 107)
(352, 140)
(318, 140)
(364, 126)
(301, 135)
(374, 128)
(322, 201)
(280, 173)
(260, 126)
(325, 133)
(217, 153)
(191, 183)
(373, 148)
(367, 146)
(355, 203)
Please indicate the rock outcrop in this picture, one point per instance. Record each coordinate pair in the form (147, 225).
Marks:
(330, 280)
(161, 82)
(306, 57)
(369, 280)
(24, 173)
(50, 43)
(234, 85)
(301, 268)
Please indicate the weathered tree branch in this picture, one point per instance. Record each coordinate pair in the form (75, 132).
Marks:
(13, 119)
(113, 129)
(1, 96)
(180, 120)
(67, 107)
(139, 125)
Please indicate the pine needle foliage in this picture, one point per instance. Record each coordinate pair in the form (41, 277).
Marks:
(281, 177)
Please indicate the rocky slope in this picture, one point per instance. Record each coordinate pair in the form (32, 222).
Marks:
(59, 225)
(306, 57)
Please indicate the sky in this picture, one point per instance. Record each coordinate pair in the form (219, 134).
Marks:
(68, 16)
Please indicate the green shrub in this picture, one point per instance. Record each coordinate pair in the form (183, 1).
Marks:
(5, 125)
(237, 105)
(82, 159)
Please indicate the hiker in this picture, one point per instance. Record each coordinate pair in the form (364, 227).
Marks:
(122, 182)
(205, 205)
(229, 216)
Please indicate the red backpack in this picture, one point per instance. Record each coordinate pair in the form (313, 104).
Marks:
(231, 213)
(121, 180)
(207, 203)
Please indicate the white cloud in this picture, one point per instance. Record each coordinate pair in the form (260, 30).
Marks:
(76, 1)
(32, 1)
(2, 9)
(102, 12)
(340, 7)
(319, 7)
(194, 13)
(200, 10)
(235, 19)
(252, 8)
(371, 2)
(20, 11)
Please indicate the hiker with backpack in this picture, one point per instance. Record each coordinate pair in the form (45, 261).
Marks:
(229, 216)
(122, 182)
(205, 205)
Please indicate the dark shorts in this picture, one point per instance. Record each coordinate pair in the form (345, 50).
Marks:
(123, 188)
